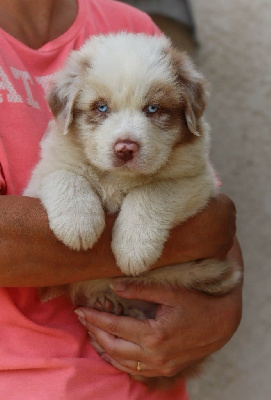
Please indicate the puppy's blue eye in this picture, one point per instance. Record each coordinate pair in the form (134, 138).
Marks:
(151, 109)
(103, 108)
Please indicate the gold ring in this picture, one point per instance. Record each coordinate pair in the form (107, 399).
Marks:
(138, 367)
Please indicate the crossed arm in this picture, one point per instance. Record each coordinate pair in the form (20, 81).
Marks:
(189, 325)
(30, 255)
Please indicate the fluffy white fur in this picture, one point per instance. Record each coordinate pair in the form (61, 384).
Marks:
(135, 88)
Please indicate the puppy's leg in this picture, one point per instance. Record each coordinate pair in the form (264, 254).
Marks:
(214, 277)
(138, 235)
(74, 210)
(211, 276)
(148, 213)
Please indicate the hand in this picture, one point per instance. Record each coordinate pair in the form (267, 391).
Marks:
(188, 327)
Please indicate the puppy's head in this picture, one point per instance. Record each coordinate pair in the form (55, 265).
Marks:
(129, 99)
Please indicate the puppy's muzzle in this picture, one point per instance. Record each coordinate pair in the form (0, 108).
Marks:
(126, 150)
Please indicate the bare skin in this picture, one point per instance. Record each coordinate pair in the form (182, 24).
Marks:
(35, 23)
(31, 256)
(201, 325)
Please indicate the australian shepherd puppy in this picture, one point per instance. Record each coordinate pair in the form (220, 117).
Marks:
(128, 137)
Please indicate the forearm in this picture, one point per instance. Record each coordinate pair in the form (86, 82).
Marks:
(208, 234)
(30, 254)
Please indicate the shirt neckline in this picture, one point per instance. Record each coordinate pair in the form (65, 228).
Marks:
(60, 40)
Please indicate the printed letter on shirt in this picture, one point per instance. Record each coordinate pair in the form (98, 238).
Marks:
(5, 84)
(26, 78)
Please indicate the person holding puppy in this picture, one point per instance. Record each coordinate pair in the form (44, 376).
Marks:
(45, 351)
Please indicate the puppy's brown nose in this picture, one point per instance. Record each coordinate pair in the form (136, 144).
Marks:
(126, 150)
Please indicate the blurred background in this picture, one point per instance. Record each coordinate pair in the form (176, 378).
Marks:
(230, 42)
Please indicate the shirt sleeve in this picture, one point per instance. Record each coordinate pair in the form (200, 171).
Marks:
(124, 17)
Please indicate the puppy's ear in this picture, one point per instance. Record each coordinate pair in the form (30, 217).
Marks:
(193, 89)
(64, 89)
(61, 105)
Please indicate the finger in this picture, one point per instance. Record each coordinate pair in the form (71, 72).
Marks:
(133, 290)
(121, 354)
(116, 347)
(136, 368)
(127, 328)
(119, 365)
(130, 367)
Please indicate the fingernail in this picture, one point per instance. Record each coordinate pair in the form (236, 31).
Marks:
(81, 317)
(80, 313)
(118, 286)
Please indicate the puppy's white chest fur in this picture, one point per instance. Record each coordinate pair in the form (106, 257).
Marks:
(113, 188)
(112, 192)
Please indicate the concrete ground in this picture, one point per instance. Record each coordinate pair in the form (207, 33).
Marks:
(235, 56)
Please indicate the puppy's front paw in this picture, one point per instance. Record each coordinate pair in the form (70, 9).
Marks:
(113, 304)
(74, 210)
(135, 250)
(77, 230)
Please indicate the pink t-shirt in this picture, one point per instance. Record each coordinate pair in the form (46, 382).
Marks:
(45, 353)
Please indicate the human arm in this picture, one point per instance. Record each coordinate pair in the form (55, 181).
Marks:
(30, 255)
(188, 327)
